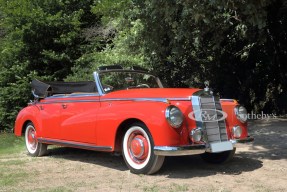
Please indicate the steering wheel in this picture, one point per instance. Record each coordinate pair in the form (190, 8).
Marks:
(143, 86)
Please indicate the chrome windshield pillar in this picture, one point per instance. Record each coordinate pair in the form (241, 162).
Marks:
(98, 84)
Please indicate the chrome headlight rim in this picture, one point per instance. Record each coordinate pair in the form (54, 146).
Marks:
(169, 116)
(241, 113)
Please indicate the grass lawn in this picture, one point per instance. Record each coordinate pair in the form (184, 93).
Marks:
(9, 143)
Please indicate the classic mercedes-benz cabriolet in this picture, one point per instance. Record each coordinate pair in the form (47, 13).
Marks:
(129, 111)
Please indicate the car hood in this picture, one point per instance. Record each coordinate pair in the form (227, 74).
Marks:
(165, 93)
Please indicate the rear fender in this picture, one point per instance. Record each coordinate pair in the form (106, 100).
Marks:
(28, 114)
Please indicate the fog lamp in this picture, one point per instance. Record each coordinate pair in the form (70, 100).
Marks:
(236, 131)
(196, 135)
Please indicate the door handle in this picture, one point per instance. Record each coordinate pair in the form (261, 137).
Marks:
(64, 106)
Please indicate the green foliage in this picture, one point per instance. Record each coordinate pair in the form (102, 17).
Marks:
(119, 34)
(235, 45)
(42, 39)
(124, 48)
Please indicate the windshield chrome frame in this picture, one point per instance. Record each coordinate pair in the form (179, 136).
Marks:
(99, 84)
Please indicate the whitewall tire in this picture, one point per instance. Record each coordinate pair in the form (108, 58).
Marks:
(34, 148)
(137, 149)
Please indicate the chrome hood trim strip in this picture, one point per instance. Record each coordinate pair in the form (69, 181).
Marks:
(157, 99)
(164, 100)
(69, 101)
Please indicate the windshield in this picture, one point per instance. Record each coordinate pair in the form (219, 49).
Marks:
(122, 80)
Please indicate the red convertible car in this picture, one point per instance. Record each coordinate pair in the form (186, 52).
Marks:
(129, 111)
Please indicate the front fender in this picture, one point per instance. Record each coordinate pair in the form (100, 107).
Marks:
(152, 114)
(231, 120)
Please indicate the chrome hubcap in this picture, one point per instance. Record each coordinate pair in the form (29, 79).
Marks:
(138, 147)
(32, 139)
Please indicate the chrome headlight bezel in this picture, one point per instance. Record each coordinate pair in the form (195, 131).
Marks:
(241, 113)
(174, 116)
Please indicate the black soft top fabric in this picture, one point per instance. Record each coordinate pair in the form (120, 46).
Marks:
(44, 89)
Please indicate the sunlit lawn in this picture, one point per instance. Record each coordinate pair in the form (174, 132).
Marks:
(9, 143)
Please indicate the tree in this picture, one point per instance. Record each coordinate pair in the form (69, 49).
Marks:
(239, 46)
(43, 39)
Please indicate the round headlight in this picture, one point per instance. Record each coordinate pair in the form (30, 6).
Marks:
(236, 131)
(196, 135)
(174, 116)
(241, 113)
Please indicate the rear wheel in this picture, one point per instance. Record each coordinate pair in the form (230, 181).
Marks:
(34, 148)
(218, 158)
(138, 151)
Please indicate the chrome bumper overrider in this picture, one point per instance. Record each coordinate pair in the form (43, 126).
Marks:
(192, 149)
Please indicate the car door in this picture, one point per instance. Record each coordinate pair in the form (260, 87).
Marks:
(50, 114)
(78, 119)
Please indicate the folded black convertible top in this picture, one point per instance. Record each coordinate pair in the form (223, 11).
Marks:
(43, 89)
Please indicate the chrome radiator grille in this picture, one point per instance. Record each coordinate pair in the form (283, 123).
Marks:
(209, 116)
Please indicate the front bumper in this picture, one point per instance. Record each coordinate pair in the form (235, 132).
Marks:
(193, 149)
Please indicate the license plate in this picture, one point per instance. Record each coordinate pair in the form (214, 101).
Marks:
(221, 146)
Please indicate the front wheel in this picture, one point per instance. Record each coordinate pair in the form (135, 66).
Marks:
(138, 151)
(218, 158)
(34, 148)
